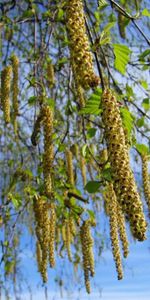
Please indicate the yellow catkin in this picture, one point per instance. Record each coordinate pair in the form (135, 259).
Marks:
(5, 92)
(36, 129)
(52, 236)
(48, 155)
(146, 181)
(69, 164)
(81, 57)
(87, 252)
(45, 242)
(112, 212)
(50, 74)
(83, 169)
(122, 231)
(38, 255)
(15, 88)
(72, 226)
(68, 240)
(124, 182)
(41, 213)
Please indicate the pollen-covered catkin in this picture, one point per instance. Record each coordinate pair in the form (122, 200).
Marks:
(68, 240)
(69, 164)
(38, 255)
(123, 179)
(111, 202)
(48, 155)
(146, 180)
(15, 88)
(45, 242)
(5, 92)
(41, 213)
(83, 169)
(122, 231)
(87, 252)
(81, 57)
(52, 235)
(50, 74)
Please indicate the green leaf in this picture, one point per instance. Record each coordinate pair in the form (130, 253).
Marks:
(143, 149)
(92, 186)
(91, 132)
(144, 54)
(140, 122)
(105, 35)
(32, 100)
(144, 84)
(60, 14)
(146, 12)
(92, 106)
(127, 119)
(146, 104)
(102, 4)
(122, 56)
(106, 174)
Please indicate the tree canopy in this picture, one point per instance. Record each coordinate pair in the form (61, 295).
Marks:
(74, 130)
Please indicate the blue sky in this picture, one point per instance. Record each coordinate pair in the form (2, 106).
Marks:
(105, 286)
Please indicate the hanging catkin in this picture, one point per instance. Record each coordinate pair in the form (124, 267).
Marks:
(5, 92)
(50, 74)
(124, 182)
(111, 204)
(52, 235)
(48, 155)
(81, 56)
(15, 88)
(69, 164)
(146, 180)
(83, 169)
(87, 252)
(122, 231)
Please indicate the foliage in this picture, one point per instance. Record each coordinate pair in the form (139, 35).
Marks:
(70, 154)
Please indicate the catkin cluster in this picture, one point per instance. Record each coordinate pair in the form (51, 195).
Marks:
(146, 181)
(68, 234)
(48, 155)
(122, 231)
(81, 56)
(5, 92)
(123, 179)
(87, 252)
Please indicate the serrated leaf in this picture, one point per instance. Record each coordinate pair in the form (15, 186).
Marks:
(92, 106)
(144, 84)
(122, 56)
(92, 186)
(127, 119)
(102, 4)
